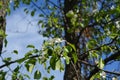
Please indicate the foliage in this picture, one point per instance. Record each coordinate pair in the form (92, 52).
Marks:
(84, 32)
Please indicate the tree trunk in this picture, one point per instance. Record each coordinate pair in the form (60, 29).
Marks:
(72, 70)
(2, 22)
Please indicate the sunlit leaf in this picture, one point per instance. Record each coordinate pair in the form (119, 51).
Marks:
(101, 64)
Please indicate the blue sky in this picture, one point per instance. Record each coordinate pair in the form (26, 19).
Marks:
(22, 30)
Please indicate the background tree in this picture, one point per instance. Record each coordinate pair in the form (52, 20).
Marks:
(84, 33)
(3, 10)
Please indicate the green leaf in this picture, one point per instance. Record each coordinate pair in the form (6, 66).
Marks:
(29, 67)
(53, 62)
(21, 60)
(17, 69)
(113, 35)
(82, 25)
(101, 64)
(93, 54)
(37, 74)
(35, 50)
(66, 50)
(45, 78)
(2, 33)
(41, 15)
(1, 5)
(51, 78)
(97, 75)
(25, 9)
(58, 64)
(21, 77)
(28, 54)
(15, 51)
(40, 22)
(27, 76)
(2, 75)
(33, 12)
(7, 59)
(75, 57)
(30, 46)
(31, 61)
(70, 14)
(5, 41)
(49, 51)
(67, 59)
(48, 69)
(73, 46)
(8, 11)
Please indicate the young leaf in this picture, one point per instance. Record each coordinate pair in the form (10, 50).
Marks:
(31, 68)
(58, 64)
(101, 64)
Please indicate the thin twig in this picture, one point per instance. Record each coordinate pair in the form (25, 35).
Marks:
(75, 70)
(38, 8)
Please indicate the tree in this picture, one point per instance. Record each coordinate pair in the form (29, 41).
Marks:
(3, 7)
(84, 33)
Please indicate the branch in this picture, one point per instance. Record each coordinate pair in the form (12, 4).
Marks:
(15, 61)
(97, 23)
(110, 58)
(97, 69)
(38, 8)
(75, 70)
(84, 55)
(54, 4)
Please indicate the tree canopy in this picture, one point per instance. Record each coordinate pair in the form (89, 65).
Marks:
(83, 39)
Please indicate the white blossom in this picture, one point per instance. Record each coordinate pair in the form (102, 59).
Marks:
(117, 24)
(95, 10)
(114, 78)
(11, 1)
(103, 74)
(58, 40)
(112, 7)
